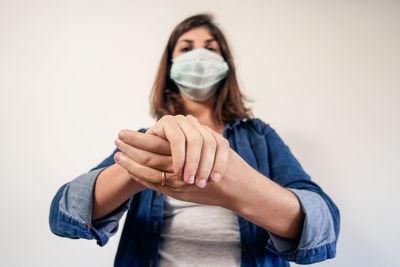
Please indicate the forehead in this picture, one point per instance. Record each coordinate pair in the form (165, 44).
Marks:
(196, 34)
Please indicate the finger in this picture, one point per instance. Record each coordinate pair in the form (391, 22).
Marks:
(146, 158)
(167, 128)
(221, 157)
(164, 189)
(153, 186)
(146, 142)
(194, 143)
(207, 153)
(141, 172)
(174, 181)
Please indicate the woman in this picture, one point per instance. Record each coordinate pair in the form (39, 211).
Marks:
(207, 185)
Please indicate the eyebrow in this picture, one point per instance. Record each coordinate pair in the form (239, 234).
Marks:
(191, 41)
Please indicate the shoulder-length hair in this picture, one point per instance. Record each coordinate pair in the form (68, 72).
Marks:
(165, 98)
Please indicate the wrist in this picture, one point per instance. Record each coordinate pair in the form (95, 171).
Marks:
(259, 200)
(233, 183)
(133, 186)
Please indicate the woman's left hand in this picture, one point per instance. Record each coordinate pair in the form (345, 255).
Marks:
(198, 153)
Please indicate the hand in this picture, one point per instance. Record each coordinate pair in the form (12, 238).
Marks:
(144, 151)
(197, 151)
(146, 156)
(243, 190)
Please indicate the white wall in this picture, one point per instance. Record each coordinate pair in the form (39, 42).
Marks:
(325, 74)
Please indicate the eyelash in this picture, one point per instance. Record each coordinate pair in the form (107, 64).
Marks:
(186, 49)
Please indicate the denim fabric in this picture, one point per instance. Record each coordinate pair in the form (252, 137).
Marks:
(72, 205)
(318, 224)
(262, 148)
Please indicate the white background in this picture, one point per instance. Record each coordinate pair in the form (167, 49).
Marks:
(324, 74)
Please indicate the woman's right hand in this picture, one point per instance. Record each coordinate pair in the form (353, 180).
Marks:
(197, 151)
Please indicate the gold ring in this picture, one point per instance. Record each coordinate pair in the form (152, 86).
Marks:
(163, 178)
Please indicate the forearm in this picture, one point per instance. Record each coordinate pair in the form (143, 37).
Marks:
(113, 187)
(262, 201)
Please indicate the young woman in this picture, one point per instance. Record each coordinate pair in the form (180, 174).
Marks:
(207, 185)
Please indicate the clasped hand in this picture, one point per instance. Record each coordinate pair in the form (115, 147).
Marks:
(193, 156)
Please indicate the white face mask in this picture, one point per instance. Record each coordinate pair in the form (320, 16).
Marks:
(197, 73)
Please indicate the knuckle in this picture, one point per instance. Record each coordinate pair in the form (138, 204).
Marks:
(180, 116)
(196, 140)
(210, 142)
(173, 182)
(191, 117)
(175, 139)
(225, 143)
(146, 160)
(166, 117)
(164, 164)
(157, 146)
(144, 173)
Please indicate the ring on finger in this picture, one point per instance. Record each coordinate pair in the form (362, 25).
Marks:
(163, 178)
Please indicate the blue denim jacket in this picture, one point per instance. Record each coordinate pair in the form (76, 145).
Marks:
(261, 147)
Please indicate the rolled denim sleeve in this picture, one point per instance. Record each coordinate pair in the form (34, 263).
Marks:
(322, 219)
(71, 208)
(318, 228)
(71, 211)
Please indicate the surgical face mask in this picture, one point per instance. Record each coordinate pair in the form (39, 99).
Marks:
(197, 73)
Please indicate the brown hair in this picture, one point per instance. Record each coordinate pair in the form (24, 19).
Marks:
(165, 98)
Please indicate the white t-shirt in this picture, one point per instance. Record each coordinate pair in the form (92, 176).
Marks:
(198, 235)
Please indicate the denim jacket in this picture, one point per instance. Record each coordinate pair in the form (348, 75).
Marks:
(261, 147)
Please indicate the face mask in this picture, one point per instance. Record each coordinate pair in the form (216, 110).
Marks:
(198, 72)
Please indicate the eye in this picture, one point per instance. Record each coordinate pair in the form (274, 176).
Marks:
(185, 49)
(211, 49)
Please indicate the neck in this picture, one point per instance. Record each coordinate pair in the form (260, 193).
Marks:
(203, 111)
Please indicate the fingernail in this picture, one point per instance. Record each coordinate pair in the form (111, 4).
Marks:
(117, 141)
(201, 183)
(121, 134)
(117, 157)
(191, 180)
(216, 176)
(180, 172)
